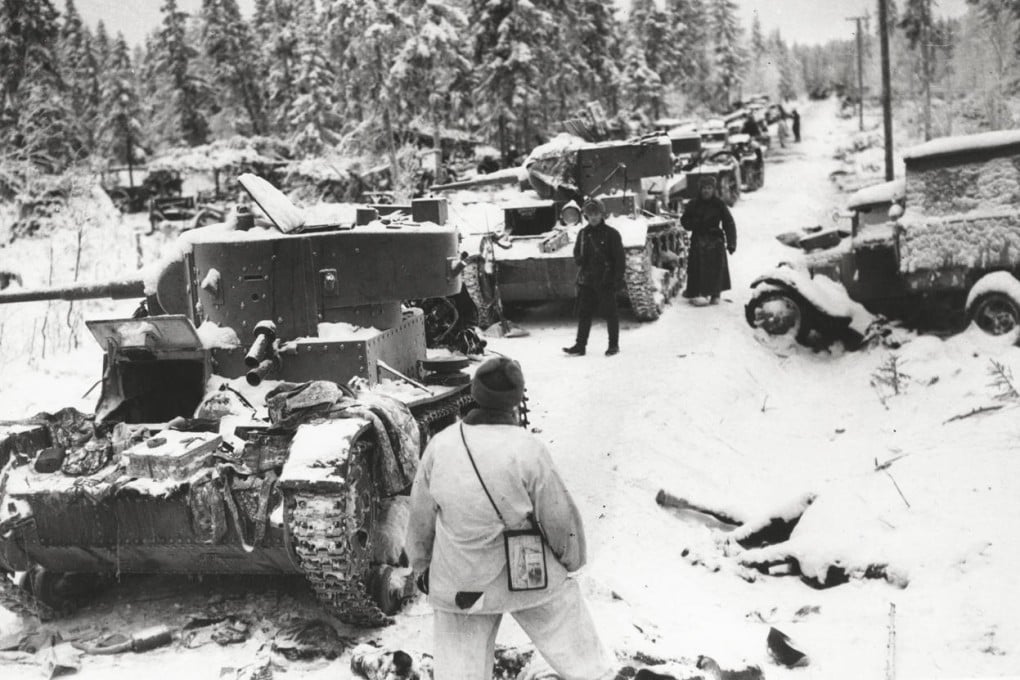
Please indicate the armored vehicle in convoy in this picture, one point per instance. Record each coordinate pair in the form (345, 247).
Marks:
(522, 252)
(262, 413)
(695, 160)
(937, 249)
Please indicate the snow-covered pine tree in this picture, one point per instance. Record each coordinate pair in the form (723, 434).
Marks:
(642, 86)
(80, 72)
(431, 69)
(651, 28)
(101, 46)
(183, 94)
(28, 34)
(727, 50)
(120, 128)
(312, 115)
(788, 68)
(276, 32)
(757, 40)
(917, 25)
(512, 50)
(227, 43)
(689, 40)
(599, 50)
(37, 122)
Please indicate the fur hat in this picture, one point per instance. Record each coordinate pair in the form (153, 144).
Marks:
(594, 205)
(498, 384)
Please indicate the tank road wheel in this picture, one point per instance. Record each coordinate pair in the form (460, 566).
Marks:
(646, 299)
(778, 314)
(729, 188)
(332, 533)
(995, 313)
(17, 599)
(481, 293)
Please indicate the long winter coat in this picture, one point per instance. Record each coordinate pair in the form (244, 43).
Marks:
(455, 533)
(599, 255)
(713, 232)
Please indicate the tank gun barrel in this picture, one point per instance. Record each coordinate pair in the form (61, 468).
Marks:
(117, 290)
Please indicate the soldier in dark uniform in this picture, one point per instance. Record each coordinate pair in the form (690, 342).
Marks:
(598, 253)
(796, 125)
(713, 233)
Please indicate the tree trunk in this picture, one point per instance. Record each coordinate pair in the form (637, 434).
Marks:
(387, 122)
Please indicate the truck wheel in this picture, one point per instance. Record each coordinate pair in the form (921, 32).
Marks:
(995, 313)
(778, 314)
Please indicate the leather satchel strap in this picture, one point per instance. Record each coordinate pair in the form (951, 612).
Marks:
(479, 475)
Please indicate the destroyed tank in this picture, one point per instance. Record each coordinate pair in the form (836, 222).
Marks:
(520, 250)
(701, 154)
(263, 413)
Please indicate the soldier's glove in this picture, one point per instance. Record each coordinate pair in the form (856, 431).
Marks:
(423, 582)
(732, 249)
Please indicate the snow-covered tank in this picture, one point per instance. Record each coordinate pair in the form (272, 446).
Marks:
(520, 250)
(696, 156)
(937, 249)
(263, 413)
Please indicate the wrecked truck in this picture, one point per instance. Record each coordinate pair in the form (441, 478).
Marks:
(936, 250)
(262, 413)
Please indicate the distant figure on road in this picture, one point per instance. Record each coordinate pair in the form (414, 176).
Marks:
(782, 131)
(598, 253)
(713, 233)
(796, 125)
(751, 127)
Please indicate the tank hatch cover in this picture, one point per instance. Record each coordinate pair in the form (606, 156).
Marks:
(287, 217)
(162, 333)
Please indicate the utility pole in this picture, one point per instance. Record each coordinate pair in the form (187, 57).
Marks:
(883, 27)
(860, 71)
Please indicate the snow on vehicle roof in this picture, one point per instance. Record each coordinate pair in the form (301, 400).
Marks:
(567, 142)
(961, 143)
(685, 132)
(886, 192)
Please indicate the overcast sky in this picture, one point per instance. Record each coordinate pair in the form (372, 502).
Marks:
(803, 21)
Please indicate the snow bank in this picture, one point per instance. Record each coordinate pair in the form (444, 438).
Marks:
(985, 239)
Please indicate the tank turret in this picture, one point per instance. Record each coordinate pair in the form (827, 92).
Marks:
(569, 168)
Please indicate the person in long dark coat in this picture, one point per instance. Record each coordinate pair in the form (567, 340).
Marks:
(713, 234)
(796, 125)
(599, 255)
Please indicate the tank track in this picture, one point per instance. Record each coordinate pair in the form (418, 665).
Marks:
(15, 599)
(323, 524)
(640, 285)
